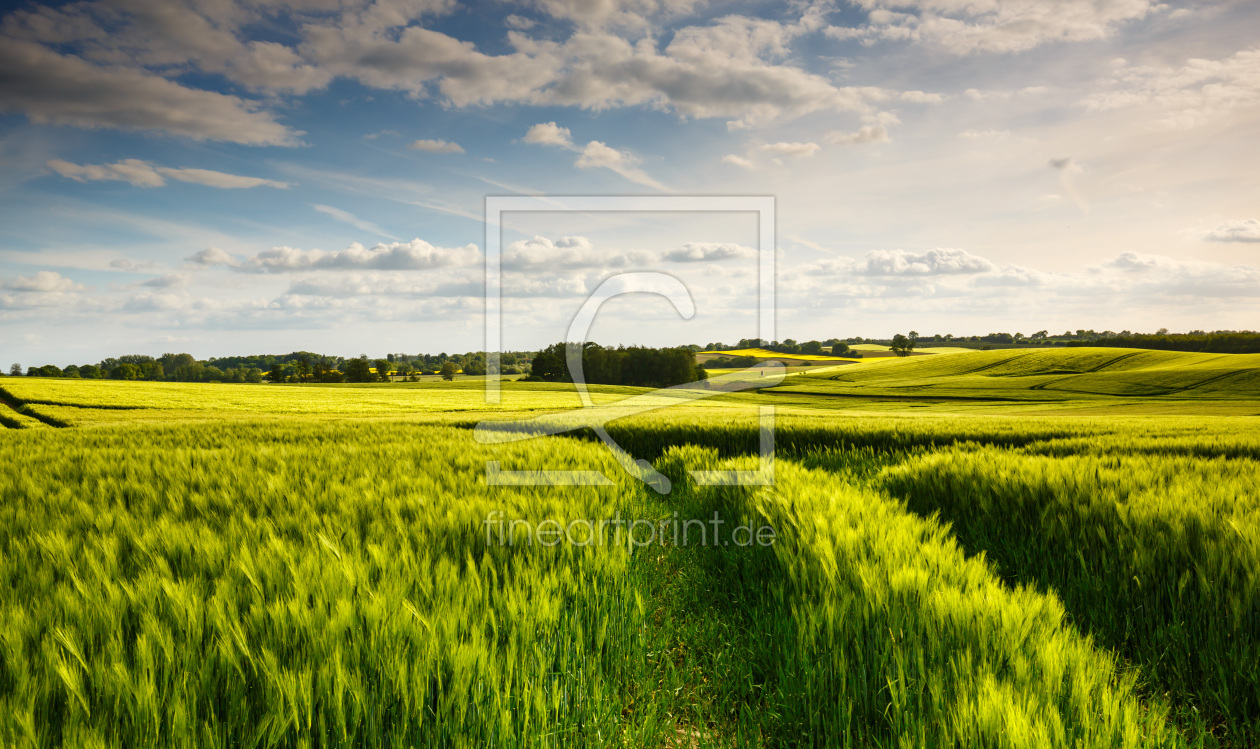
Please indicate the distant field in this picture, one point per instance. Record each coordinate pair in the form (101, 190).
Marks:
(761, 353)
(970, 549)
(1046, 376)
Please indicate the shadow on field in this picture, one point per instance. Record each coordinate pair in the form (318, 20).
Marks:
(1151, 555)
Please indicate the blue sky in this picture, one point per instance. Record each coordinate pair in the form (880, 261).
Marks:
(243, 176)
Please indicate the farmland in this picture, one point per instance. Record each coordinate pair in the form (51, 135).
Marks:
(1018, 548)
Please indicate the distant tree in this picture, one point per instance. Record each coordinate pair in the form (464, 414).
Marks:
(813, 348)
(90, 372)
(303, 367)
(277, 372)
(449, 370)
(358, 370)
(15, 370)
(383, 368)
(126, 371)
(178, 367)
(840, 349)
(70, 371)
(475, 366)
(901, 345)
(1040, 335)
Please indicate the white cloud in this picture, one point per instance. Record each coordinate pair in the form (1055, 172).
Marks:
(212, 256)
(62, 89)
(943, 261)
(568, 253)
(219, 179)
(133, 171)
(740, 161)
(864, 135)
(733, 67)
(1158, 275)
(1235, 230)
(632, 14)
(595, 154)
(44, 281)
(599, 155)
(347, 217)
(436, 146)
(698, 252)
(790, 150)
(168, 281)
(699, 74)
(1199, 92)
(519, 23)
(964, 27)
(414, 255)
(144, 174)
(550, 134)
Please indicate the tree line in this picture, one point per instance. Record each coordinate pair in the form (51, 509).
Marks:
(624, 365)
(1218, 342)
(298, 366)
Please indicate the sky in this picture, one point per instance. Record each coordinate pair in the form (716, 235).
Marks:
(231, 177)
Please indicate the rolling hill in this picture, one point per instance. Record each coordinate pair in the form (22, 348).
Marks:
(1049, 375)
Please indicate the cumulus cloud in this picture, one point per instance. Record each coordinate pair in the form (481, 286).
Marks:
(44, 281)
(964, 27)
(168, 281)
(1194, 94)
(549, 134)
(49, 87)
(1158, 275)
(212, 256)
(1235, 230)
(790, 150)
(864, 135)
(414, 255)
(90, 64)
(697, 252)
(594, 155)
(772, 153)
(347, 285)
(144, 174)
(436, 146)
(597, 154)
(704, 72)
(943, 261)
(569, 253)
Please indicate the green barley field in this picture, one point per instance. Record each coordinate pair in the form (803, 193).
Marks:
(980, 549)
